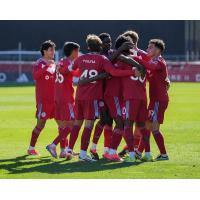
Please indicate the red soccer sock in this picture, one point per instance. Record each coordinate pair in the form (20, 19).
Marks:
(159, 141)
(146, 139)
(128, 137)
(74, 136)
(107, 135)
(35, 134)
(136, 141)
(85, 139)
(63, 136)
(116, 138)
(141, 146)
(97, 133)
(56, 140)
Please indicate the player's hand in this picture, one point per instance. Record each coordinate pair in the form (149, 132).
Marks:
(137, 73)
(168, 84)
(126, 46)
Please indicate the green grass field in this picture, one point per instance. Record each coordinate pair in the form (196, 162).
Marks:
(181, 129)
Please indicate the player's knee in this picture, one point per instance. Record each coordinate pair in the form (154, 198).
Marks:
(140, 124)
(119, 122)
(41, 124)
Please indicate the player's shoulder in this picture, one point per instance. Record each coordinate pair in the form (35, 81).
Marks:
(39, 62)
(160, 60)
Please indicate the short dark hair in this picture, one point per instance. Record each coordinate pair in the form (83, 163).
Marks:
(102, 36)
(45, 45)
(158, 43)
(120, 40)
(69, 47)
(133, 35)
(94, 42)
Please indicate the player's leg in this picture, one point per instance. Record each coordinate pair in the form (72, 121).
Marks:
(158, 119)
(115, 105)
(85, 140)
(35, 134)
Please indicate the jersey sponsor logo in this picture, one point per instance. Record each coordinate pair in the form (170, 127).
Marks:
(47, 77)
(89, 61)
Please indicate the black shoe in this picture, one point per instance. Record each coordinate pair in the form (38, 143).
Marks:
(94, 155)
(123, 153)
(161, 158)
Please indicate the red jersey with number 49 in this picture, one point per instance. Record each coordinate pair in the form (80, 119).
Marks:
(44, 76)
(64, 91)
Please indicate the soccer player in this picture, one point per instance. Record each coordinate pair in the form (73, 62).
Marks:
(134, 95)
(159, 99)
(106, 120)
(136, 52)
(44, 76)
(88, 95)
(64, 98)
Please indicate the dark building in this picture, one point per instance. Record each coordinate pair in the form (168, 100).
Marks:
(179, 36)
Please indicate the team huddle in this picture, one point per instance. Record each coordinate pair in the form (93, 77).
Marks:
(111, 88)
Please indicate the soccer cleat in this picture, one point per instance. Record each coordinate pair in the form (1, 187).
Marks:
(161, 158)
(63, 154)
(51, 150)
(123, 153)
(105, 155)
(129, 159)
(138, 155)
(94, 154)
(87, 159)
(32, 152)
(113, 157)
(147, 158)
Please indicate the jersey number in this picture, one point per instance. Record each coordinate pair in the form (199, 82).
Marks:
(59, 78)
(89, 74)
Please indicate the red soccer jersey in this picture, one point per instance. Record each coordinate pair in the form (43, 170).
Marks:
(64, 91)
(157, 79)
(44, 76)
(91, 65)
(133, 87)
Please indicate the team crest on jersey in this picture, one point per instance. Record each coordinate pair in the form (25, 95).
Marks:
(43, 114)
(47, 77)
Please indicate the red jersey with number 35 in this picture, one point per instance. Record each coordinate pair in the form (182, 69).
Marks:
(64, 91)
(44, 76)
(91, 65)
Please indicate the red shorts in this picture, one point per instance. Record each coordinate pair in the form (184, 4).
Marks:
(86, 109)
(64, 111)
(156, 111)
(45, 111)
(114, 105)
(136, 110)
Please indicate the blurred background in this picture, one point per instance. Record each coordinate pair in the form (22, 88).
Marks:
(20, 42)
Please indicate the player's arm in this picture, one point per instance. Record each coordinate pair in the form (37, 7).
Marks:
(95, 78)
(125, 46)
(151, 65)
(168, 83)
(132, 62)
(38, 71)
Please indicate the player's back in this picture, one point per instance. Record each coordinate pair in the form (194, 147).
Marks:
(64, 90)
(89, 65)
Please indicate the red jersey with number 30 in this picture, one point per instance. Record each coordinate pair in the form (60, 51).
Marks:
(134, 87)
(44, 76)
(64, 91)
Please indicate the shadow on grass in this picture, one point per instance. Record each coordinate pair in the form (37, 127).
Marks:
(25, 164)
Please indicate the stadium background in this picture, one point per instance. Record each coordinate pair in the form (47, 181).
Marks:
(20, 41)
